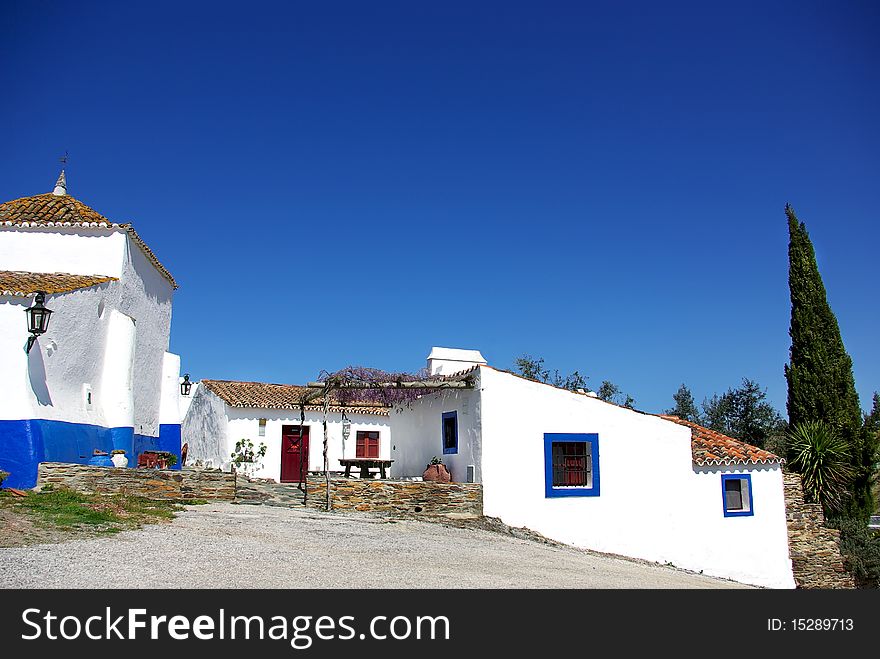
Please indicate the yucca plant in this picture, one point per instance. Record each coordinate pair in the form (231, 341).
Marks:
(822, 458)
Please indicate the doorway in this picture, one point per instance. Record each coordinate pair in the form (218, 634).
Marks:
(294, 453)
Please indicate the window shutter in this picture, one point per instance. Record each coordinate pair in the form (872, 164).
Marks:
(733, 494)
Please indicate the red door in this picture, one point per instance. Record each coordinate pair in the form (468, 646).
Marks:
(294, 453)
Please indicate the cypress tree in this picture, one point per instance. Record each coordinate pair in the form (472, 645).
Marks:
(820, 380)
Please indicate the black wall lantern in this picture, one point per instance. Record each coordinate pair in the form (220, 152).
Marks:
(37, 319)
(346, 426)
(185, 386)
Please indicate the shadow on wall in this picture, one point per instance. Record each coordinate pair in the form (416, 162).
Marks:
(37, 375)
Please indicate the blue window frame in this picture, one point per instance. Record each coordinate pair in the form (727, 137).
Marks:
(571, 465)
(736, 493)
(449, 432)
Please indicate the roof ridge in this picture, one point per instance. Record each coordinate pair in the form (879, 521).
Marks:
(81, 215)
(711, 447)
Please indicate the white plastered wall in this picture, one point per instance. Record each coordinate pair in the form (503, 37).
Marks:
(71, 358)
(653, 504)
(75, 250)
(418, 434)
(204, 429)
(51, 381)
(146, 296)
(243, 423)
(169, 408)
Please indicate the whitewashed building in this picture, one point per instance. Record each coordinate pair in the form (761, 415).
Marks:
(222, 412)
(101, 376)
(600, 476)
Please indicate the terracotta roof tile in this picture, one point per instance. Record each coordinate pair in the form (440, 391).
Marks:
(51, 210)
(709, 447)
(28, 283)
(278, 396)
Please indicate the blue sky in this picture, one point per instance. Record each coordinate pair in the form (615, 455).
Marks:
(600, 184)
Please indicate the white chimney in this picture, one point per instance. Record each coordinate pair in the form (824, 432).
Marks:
(446, 361)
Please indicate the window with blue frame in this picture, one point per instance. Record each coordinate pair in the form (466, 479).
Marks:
(571, 464)
(450, 432)
(736, 490)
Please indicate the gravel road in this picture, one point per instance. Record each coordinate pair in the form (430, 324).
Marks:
(222, 545)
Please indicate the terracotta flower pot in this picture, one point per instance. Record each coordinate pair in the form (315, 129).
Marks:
(438, 473)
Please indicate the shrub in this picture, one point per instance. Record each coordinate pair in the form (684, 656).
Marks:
(245, 458)
(822, 458)
(860, 547)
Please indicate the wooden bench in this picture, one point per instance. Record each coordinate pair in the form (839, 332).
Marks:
(365, 464)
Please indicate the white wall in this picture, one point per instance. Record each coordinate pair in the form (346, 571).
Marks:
(76, 250)
(146, 296)
(653, 504)
(244, 424)
(169, 408)
(418, 434)
(48, 383)
(204, 429)
(117, 379)
(84, 345)
(18, 398)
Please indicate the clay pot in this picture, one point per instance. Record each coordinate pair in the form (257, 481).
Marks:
(438, 473)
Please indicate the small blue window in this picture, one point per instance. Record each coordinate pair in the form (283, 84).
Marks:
(736, 490)
(571, 465)
(450, 432)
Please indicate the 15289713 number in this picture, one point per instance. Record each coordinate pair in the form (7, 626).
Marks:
(821, 624)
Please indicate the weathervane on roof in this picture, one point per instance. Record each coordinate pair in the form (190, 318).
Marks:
(61, 184)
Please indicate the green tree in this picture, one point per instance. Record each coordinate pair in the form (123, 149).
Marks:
(611, 393)
(533, 369)
(820, 379)
(871, 435)
(743, 413)
(822, 458)
(685, 407)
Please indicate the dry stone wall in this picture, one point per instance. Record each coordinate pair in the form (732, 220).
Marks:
(814, 548)
(388, 497)
(164, 484)
(398, 498)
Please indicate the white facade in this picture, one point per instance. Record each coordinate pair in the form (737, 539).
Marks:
(212, 427)
(653, 503)
(94, 380)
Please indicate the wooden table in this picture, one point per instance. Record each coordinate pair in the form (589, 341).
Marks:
(365, 465)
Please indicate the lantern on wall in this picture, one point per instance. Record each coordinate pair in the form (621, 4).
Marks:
(37, 318)
(186, 385)
(346, 427)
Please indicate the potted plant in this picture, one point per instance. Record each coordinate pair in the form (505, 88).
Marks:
(100, 459)
(437, 471)
(166, 459)
(118, 458)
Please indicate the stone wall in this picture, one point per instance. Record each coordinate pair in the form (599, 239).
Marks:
(398, 498)
(178, 485)
(814, 548)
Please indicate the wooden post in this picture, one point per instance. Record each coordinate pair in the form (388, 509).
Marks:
(326, 443)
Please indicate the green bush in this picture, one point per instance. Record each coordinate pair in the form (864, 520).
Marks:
(821, 457)
(860, 547)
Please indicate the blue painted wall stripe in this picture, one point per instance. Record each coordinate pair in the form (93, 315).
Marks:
(26, 443)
